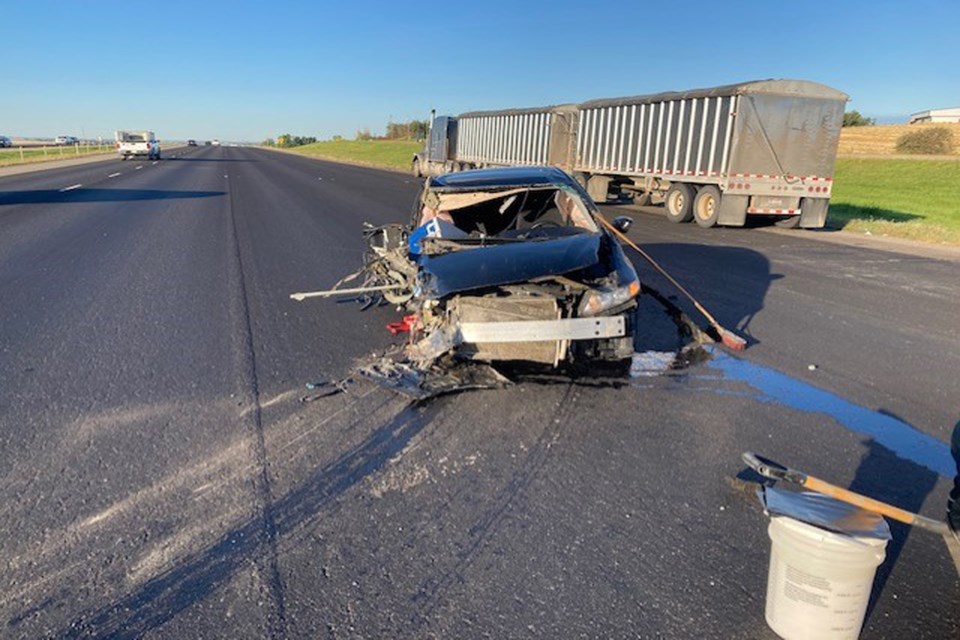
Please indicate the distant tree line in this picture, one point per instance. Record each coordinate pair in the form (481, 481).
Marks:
(413, 130)
(287, 140)
(854, 119)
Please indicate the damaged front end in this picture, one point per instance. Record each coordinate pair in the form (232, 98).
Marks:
(494, 275)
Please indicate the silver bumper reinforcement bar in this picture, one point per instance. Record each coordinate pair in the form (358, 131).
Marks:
(543, 330)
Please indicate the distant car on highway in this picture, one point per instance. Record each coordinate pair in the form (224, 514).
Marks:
(66, 140)
(191, 143)
(216, 143)
(5, 141)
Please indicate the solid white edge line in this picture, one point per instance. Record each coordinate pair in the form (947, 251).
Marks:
(71, 188)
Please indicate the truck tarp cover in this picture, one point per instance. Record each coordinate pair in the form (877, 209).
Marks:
(795, 88)
(786, 135)
(521, 112)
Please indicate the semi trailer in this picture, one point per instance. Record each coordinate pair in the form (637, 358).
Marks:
(711, 155)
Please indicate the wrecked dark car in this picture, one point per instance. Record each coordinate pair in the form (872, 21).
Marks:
(512, 266)
(501, 266)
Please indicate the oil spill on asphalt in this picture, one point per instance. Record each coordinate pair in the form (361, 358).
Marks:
(768, 385)
(901, 438)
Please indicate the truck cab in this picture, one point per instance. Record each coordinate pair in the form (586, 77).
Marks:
(440, 151)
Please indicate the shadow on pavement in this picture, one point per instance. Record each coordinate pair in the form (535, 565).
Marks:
(885, 476)
(731, 282)
(196, 577)
(47, 196)
(840, 215)
(182, 159)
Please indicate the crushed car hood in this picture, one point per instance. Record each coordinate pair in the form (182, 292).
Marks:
(500, 264)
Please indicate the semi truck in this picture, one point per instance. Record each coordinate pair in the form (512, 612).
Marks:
(713, 155)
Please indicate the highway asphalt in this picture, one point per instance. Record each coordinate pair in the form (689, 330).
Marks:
(160, 477)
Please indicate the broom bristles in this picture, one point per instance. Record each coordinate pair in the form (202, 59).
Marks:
(732, 341)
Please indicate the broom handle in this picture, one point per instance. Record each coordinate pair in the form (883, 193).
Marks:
(633, 245)
(896, 513)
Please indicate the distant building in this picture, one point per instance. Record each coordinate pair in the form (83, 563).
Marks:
(936, 115)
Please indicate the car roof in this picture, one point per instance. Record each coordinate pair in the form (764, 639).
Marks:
(504, 177)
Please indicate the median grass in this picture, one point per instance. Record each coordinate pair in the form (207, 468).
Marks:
(905, 198)
(391, 154)
(11, 156)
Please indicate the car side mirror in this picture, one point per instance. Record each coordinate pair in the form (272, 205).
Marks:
(622, 223)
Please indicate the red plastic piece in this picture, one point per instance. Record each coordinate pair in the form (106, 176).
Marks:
(405, 325)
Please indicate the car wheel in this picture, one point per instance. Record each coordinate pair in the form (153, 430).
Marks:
(679, 202)
(788, 223)
(706, 206)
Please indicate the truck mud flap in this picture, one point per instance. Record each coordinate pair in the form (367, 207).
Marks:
(813, 212)
(733, 211)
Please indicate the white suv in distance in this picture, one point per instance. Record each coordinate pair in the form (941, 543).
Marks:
(66, 141)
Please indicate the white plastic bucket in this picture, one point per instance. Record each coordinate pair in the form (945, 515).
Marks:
(819, 582)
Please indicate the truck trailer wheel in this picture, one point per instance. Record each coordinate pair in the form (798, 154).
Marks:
(706, 206)
(679, 202)
(788, 223)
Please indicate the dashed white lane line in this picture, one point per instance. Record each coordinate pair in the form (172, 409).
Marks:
(114, 175)
(155, 161)
(71, 187)
(140, 167)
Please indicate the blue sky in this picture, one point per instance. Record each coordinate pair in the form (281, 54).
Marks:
(245, 71)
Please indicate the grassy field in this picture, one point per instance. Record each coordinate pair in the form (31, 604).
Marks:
(882, 139)
(905, 198)
(395, 154)
(12, 156)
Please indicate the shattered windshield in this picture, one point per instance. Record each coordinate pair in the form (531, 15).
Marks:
(507, 215)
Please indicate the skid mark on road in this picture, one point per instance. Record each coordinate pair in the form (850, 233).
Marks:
(432, 593)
